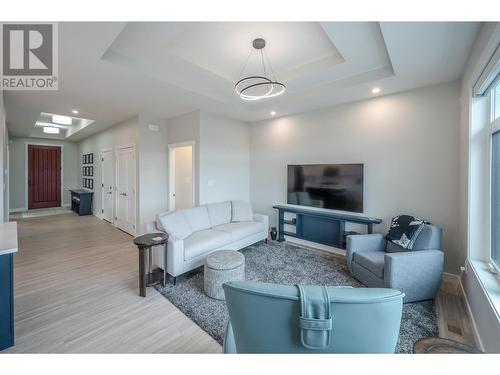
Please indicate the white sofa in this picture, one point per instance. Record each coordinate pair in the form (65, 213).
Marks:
(196, 232)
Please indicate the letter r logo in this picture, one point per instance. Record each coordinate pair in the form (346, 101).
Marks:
(27, 49)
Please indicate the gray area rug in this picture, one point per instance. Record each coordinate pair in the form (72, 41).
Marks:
(284, 263)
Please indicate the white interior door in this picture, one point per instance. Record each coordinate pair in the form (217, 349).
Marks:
(125, 189)
(107, 169)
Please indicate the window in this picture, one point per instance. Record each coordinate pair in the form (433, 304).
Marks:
(495, 175)
(496, 101)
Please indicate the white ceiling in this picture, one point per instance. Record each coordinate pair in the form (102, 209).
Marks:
(113, 71)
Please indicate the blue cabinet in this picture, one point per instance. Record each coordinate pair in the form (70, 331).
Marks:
(6, 301)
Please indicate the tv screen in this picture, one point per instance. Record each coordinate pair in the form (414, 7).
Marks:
(333, 186)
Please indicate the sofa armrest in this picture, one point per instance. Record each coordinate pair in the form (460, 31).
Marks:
(150, 227)
(175, 256)
(417, 273)
(262, 219)
(363, 243)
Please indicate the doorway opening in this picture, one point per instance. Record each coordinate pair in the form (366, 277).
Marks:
(181, 176)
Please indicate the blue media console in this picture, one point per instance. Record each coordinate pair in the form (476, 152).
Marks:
(320, 226)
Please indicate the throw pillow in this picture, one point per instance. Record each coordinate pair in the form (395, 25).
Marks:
(176, 225)
(241, 211)
(404, 230)
(219, 213)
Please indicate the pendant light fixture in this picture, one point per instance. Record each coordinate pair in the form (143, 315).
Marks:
(256, 87)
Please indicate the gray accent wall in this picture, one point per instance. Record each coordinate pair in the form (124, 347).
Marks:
(18, 169)
(408, 143)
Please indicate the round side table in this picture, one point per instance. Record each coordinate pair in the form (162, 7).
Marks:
(148, 277)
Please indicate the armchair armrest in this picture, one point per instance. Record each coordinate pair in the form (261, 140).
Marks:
(362, 243)
(229, 346)
(417, 273)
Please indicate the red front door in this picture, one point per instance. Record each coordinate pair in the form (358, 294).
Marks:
(44, 176)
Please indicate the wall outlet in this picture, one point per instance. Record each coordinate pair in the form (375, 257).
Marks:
(154, 128)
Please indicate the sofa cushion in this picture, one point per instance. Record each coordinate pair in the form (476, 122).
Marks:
(175, 224)
(204, 241)
(219, 213)
(241, 211)
(197, 218)
(372, 261)
(241, 230)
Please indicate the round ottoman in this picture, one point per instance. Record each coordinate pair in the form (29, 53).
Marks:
(220, 267)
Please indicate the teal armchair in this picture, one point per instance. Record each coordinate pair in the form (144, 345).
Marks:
(268, 318)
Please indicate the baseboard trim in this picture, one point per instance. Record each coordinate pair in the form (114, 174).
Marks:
(14, 210)
(475, 331)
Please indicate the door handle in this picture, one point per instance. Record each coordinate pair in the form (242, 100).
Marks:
(124, 194)
(109, 192)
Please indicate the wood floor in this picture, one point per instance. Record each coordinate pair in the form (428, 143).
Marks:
(76, 292)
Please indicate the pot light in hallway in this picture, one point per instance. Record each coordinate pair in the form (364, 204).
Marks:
(255, 86)
(376, 90)
(62, 120)
(273, 113)
(51, 130)
(75, 111)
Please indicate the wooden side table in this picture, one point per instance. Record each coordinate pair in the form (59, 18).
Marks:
(145, 245)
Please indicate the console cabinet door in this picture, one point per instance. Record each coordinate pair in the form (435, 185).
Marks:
(6, 301)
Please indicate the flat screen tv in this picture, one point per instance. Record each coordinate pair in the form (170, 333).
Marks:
(332, 186)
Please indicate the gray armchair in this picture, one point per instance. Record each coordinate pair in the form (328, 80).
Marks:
(379, 263)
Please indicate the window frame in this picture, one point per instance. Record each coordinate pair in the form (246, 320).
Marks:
(493, 128)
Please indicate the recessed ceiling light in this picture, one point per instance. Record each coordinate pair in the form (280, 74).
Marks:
(273, 113)
(62, 120)
(376, 90)
(75, 112)
(50, 130)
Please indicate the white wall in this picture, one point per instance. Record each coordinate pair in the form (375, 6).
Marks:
(153, 169)
(224, 159)
(18, 172)
(124, 133)
(473, 215)
(4, 168)
(408, 143)
(183, 171)
(186, 128)
(221, 153)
